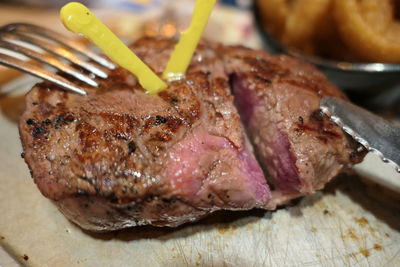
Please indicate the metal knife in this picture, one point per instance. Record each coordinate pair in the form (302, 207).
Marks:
(374, 133)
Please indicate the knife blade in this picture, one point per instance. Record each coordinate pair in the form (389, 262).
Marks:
(373, 132)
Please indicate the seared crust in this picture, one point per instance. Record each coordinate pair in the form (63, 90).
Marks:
(119, 157)
(123, 148)
(116, 121)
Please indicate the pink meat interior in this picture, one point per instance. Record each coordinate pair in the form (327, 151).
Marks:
(203, 164)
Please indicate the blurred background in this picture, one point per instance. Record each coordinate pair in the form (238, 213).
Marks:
(232, 22)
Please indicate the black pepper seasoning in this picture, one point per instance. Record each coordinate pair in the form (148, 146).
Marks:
(174, 100)
(160, 120)
(30, 121)
(131, 147)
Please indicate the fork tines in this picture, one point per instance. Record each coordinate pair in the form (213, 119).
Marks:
(20, 42)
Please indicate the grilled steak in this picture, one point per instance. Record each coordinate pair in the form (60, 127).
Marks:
(278, 98)
(119, 157)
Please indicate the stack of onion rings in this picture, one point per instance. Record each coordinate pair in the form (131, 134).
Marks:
(353, 30)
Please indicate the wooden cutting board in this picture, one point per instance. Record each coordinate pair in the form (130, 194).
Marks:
(348, 224)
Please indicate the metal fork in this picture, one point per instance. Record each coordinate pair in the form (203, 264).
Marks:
(50, 48)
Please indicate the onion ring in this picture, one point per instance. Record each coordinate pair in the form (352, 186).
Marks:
(370, 33)
(274, 15)
(302, 21)
(327, 40)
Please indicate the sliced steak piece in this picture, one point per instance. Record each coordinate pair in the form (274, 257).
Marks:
(119, 157)
(278, 98)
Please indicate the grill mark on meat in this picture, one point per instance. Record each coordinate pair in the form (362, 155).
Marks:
(320, 125)
(321, 129)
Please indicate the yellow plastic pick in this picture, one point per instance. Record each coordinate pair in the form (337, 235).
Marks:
(79, 19)
(183, 52)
